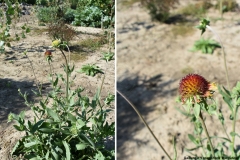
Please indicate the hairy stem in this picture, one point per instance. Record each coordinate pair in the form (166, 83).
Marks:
(67, 85)
(145, 123)
(224, 54)
(233, 129)
(206, 131)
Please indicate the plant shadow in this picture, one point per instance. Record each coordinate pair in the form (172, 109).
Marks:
(12, 102)
(128, 122)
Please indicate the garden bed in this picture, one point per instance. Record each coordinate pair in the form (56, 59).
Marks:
(16, 73)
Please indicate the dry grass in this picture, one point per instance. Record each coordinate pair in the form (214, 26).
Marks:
(182, 30)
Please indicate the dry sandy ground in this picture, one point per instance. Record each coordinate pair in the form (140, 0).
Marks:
(16, 73)
(151, 60)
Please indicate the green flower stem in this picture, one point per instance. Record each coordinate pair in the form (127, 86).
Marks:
(225, 132)
(101, 87)
(51, 72)
(233, 129)
(224, 54)
(145, 123)
(67, 85)
(206, 131)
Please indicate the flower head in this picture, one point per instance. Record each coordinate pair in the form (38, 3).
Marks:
(194, 86)
(56, 43)
(48, 55)
(203, 25)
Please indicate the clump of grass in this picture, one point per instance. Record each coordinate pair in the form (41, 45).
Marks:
(198, 9)
(128, 3)
(187, 70)
(94, 43)
(39, 31)
(182, 30)
(78, 56)
(159, 10)
(227, 5)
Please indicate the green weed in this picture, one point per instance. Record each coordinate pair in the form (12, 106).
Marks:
(205, 45)
(198, 9)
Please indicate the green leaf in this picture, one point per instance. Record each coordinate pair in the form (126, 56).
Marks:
(99, 156)
(55, 82)
(53, 114)
(90, 70)
(192, 149)
(16, 147)
(71, 117)
(81, 146)
(226, 97)
(19, 128)
(234, 134)
(30, 144)
(110, 98)
(36, 126)
(32, 156)
(196, 110)
(80, 123)
(89, 140)
(192, 138)
(183, 112)
(68, 154)
(22, 114)
(47, 130)
(27, 30)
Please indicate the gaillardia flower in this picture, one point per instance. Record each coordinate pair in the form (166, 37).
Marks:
(194, 86)
(48, 53)
(56, 43)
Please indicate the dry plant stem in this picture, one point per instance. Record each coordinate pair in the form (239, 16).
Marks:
(224, 54)
(206, 131)
(66, 72)
(39, 88)
(145, 123)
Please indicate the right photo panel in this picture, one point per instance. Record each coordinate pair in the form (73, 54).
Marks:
(178, 88)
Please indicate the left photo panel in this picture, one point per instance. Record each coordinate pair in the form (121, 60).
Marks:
(57, 79)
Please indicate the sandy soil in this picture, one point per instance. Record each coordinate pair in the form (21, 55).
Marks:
(16, 73)
(151, 60)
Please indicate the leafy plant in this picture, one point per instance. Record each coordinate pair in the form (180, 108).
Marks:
(108, 56)
(205, 45)
(227, 5)
(90, 16)
(159, 9)
(69, 15)
(8, 16)
(46, 14)
(66, 125)
(90, 70)
(95, 13)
